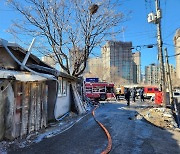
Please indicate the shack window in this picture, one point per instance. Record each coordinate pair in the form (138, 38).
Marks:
(60, 86)
(64, 87)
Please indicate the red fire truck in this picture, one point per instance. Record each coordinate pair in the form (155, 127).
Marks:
(150, 91)
(99, 90)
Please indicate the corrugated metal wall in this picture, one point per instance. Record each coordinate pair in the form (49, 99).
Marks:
(24, 108)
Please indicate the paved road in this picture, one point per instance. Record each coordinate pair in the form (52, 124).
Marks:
(129, 135)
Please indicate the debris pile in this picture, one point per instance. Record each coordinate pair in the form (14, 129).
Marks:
(161, 117)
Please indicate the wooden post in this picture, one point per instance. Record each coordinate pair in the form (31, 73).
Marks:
(169, 76)
(25, 108)
(18, 103)
(10, 129)
(44, 105)
(42, 92)
(45, 92)
(31, 108)
(38, 103)
(2, 108)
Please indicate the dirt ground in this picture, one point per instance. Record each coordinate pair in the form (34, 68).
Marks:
(159, 116)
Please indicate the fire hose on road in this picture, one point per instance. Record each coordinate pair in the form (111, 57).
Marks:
(108, 148)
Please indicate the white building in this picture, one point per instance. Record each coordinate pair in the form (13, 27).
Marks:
(137, 67)
(50, 60)
(177, 51)
(152, 74)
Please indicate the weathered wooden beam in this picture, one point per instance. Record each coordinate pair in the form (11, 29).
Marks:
(41, 99)
(44, 105)
(25, 108)
(31, 123)
(2, 108)
(18, 103)
(38, 109)
(10, 129)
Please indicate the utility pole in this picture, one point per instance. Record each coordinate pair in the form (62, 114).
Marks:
(168, 76)
(160, 51)
(156, 19)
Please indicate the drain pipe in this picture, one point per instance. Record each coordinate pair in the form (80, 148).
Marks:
(4, 44)
(28, 53)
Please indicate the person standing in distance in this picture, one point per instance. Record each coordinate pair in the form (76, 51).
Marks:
(134, 94)
(127, 96)
(141, 93)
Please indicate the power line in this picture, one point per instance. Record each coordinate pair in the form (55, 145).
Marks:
(172, 45)
(96, 55)
(173, 32)
(174, 55)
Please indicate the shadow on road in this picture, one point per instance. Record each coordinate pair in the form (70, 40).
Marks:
(130, 134)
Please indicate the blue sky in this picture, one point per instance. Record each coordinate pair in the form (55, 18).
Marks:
(137, 29)
(140, 32)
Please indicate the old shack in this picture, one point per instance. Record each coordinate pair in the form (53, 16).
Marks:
(31, 94)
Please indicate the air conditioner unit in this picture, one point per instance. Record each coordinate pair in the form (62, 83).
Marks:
(151, 17)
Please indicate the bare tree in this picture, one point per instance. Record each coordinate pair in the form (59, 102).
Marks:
(116, 78)
(75, 26)
(99, 72)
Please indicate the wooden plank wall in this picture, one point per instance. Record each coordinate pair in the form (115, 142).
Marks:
(2, 112)
(18, 107)
(25, 108)
(30, 108)
(6, 97)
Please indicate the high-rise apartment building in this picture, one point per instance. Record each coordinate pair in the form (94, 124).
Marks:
(117, 59)
(136, 67)
(177, 52)
(152, 74)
